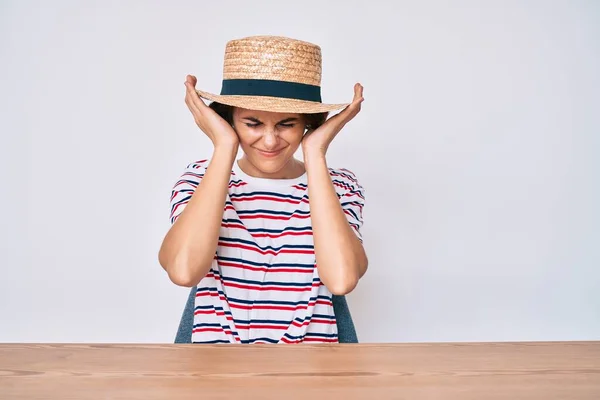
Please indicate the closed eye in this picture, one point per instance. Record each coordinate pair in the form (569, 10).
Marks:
(257, 124)
(286, 123)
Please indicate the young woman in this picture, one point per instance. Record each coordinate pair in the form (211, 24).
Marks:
(266, 238)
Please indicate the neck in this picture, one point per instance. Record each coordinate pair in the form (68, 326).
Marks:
(291, 170)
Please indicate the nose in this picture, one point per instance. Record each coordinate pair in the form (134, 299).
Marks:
(270, 139)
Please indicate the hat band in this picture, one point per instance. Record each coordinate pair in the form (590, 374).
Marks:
(271, 88)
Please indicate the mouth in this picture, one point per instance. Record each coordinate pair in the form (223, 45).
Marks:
(269, 154)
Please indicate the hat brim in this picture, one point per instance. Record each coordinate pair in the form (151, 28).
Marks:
(273, 104)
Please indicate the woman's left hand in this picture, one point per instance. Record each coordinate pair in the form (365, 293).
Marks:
(319, 139)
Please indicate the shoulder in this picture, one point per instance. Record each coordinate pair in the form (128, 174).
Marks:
(198, 165)
(351, 195)
(185, 186)
(190, 177)
(194, 170)
(346, 181)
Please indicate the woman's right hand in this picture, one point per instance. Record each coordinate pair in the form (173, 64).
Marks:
(216, 128)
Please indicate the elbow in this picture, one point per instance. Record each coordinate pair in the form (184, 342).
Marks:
(344, 284)
(182, 277)
(363, 265)
(343, 288)
(347, 279)
(180, 271)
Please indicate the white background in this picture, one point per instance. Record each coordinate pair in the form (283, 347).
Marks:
(478, 147)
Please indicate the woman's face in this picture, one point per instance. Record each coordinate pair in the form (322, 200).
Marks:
(269, 141)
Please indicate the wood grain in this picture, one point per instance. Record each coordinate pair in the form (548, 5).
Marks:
(535, 370)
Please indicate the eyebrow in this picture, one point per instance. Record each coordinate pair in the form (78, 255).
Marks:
(256, 120)
(291, 119)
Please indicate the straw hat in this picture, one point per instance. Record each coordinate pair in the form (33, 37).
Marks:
(272, 73)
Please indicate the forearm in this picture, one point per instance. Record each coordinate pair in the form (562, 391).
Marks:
(189, 247)
(341, 259)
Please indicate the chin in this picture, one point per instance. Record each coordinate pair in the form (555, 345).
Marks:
(269, 166)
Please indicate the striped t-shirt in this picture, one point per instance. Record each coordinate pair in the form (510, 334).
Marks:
(263, 285)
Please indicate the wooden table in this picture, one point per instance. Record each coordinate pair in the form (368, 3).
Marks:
(560, 370)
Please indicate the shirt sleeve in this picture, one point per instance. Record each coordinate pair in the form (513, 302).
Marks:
(184, 188)
(352, 198)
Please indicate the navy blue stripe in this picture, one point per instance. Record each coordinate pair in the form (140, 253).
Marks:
(212, 342)
(323, 335)
(224, 327)
(262, 230)
(207, 325)
(211, 290)
(193, 183)
(354, 203)
(231, 220)
(261, 339)
(323, 316)
(270, 212)
(272, 88)
(310, 317)
(261, 321)
(344, 184)
(217, 308)
(272, 194)
(180, 201)
(194, 174)
(275, 265)
(206, 289)
(352, 212)
(264, 302)
(267, 283)
(276, 302)
(277, 231)
(250, 243)
(282, 322)
(309, 334)
(215, 325)
(345, 175)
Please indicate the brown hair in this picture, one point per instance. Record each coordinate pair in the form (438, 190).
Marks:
(313, 121)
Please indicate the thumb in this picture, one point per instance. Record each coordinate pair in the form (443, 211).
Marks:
(191, 79)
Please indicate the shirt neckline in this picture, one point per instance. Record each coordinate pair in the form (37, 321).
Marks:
(301, 180)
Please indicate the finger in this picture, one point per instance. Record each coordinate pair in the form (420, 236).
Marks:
(353, 108)
(358, 93)
(195, 114)
(192, 98)
(357, 100)
(189, 101)
(190, 85)
(192, 79)
(199, 102)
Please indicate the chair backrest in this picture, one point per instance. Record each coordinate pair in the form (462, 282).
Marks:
(345, 325)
